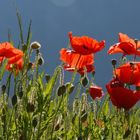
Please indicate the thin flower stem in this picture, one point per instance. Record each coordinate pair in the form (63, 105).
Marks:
(8, 84)
(55, 116)
(8, 124)
(78, 91)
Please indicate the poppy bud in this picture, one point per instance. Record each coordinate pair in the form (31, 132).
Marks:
(84, 81)
(34, 122)
(47, 77)
(114, 62)
(30, 107)
(30, 64)
(35, 45)
(3, 88)
(61, 90)
(70, 86)
(40, 60)
(14, 100)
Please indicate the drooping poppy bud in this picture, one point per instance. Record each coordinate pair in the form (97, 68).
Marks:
(14, 100)
(84, 81)
(70, 87)
(61, 90)
(40, 60)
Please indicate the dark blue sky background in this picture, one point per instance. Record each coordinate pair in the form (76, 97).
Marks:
(53, 19)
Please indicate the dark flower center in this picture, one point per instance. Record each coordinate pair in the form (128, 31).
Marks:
(85, 47)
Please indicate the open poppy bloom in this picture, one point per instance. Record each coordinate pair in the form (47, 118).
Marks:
(126, 45)
(74, 60)
(13, 55)
(129, 73)
(95, 92)
(120, 96)
(85, 45)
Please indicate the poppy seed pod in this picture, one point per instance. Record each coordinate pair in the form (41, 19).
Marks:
(40, 61)
(61, 90)
(70, 87)
(114, 62)
(35, 45)
(84, 81)
(14, 100)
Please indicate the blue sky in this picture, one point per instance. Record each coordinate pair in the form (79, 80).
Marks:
(53, 19)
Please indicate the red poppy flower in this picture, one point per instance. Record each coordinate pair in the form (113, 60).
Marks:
(74, 60)
(126, 45)
(7, 50)
(120, 96)
(129, 73)
(13, 55)
(95, 92)
(15, 63)
(85, 45)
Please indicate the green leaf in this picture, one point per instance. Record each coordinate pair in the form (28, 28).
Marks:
(20, 27)
(29, 34)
